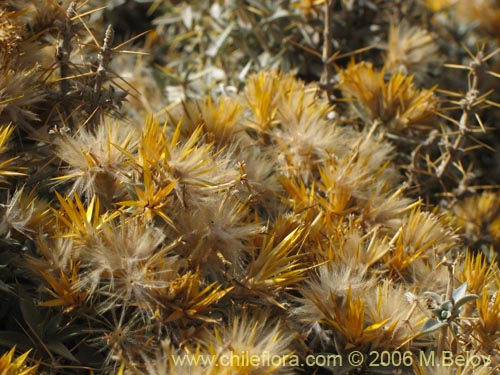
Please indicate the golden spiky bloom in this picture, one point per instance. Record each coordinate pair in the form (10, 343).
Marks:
(348, 322)
(388, 209)
(265, 92)
(260, 178)
(479, 217)
(356, 179)
(297, 122)
(64, 287)
(276, 265)
(391, 304)
(246, 335)
(306, 136)
(217, 233)
(220, 119)
(409, 49)
(243, 345)
(477, 272)
(487, 326)
(191, 161)
(395, 102)
(423, 237)
(17, 366)
(97, 159)
(352, 245)
(329, 290)
(24, 213)
(128, 264)
(262, 97)
(479, 276)
(19, 92)
(150, 200)
(79, 222)
(6, 167)
(189, 299)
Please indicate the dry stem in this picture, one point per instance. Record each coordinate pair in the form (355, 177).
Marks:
(326, 78)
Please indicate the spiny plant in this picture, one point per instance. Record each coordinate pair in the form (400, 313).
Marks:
(269, 214)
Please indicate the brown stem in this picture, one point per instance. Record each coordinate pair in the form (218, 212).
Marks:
(326, 77)
(468, 104)
(65, 47)
(104, 59)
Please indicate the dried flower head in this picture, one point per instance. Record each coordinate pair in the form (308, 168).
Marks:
(191, 161)
(221, 119)
(265, 92)
(423, 237)
(20, 92)
(477, 273)
(306, 136)
(329, 290)
(246, 335)
(350, 181)
(97, 161)
(395, 102)
(410, 49)
(479, 217)
(24, 213)
(276, 265)
(6, 165)
(217, 233)
(190, 300)
(390, 304)
(487, 326)
(129, 264)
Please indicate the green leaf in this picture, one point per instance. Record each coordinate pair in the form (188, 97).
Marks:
(53, 326)
(60, 349)
(447, 305)
(434, 296)
(459, 292)
(71, 331)
(31, 315)
(432, 325)
(462, 301)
